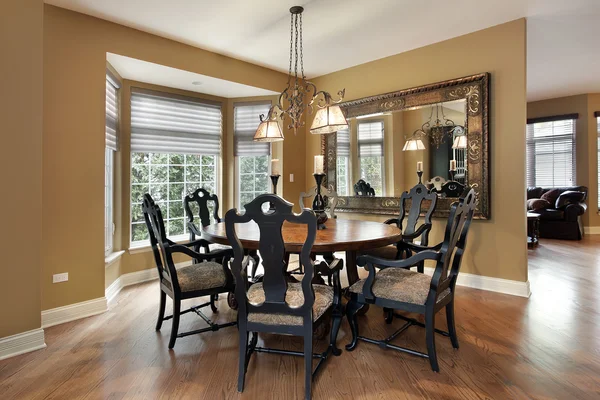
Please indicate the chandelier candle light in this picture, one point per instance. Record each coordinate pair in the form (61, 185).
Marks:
(329, 117)
(420, 171)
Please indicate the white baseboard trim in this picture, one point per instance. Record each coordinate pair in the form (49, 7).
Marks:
(591, 230)
(499, 285)
(22, 343)
(60, 315)
(134, 278)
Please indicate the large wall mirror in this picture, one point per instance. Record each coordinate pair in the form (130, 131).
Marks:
(440, 130)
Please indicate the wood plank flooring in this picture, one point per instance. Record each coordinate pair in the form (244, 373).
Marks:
(545, 347)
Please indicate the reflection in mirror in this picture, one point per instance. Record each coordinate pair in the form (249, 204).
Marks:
(380, 154)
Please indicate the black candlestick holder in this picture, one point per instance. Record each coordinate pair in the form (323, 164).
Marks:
(420, 174)
(274, 180)
(318, 204)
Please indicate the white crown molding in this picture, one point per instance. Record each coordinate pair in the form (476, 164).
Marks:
(22, 343)
(499, 285)
(60, 315)
(591, 230)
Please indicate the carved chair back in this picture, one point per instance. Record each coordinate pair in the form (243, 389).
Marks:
(452, 188)
(453, 246)
(159, 242)
(331, 198)
(417, 195)
(272, 251)
(362, 188)
(199, 200)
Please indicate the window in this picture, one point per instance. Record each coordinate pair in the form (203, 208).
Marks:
(370, 154)
(551, 151)
(175, 148)
(343, 162)
(252, 158)
(111, 140)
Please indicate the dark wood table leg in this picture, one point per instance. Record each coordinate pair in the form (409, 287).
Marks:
(352, 272)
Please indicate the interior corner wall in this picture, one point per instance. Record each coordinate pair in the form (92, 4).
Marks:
(21, 46)
(74, 66)
(585, 144)
(497, 247)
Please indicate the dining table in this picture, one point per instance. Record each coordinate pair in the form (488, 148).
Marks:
(339, 235)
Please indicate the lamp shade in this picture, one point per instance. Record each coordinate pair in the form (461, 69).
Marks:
(268, 131)
(413, 144)
(328, 120)
(460, 142)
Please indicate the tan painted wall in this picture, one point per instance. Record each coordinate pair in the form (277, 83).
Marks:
(497, 247)
(21, 42)
(585, 142)
(73, 148)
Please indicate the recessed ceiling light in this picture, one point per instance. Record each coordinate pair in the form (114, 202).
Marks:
(197, 83)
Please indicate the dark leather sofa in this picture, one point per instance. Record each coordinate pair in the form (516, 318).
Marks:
(561, 220)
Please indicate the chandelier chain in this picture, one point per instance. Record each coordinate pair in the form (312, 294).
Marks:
(301, 54)
(291, 44)
(296, 53)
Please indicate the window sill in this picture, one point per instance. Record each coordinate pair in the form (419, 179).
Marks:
(112, 258)
(143, 247)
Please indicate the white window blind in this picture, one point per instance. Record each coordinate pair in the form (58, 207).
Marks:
(245, 121)
(343, 143)
(162, 123)
(112, 134)
(551, 151)
(370, 139)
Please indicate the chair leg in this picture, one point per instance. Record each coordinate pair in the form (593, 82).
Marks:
(388, 314)
(430, 339)
(161, 310)
(352, 308)
(242, 362)
(335, 328)
(175, 325)
(308, 365)
(421, 267)
(213, 300)
(451, 326)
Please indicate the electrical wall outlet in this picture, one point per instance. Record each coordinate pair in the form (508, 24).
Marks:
(291, 177)
(56, 278)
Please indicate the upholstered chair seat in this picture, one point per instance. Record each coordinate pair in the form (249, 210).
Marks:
(201, 276)
(294, 298)
(388, 252)
(401, 285)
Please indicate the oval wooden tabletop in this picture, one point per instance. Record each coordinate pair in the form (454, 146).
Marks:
(340, 235)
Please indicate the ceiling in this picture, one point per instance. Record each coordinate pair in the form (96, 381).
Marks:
(562, 55)
(131, 68)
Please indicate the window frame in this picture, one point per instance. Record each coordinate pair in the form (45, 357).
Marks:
(382, 157)
(164, 204)
(531, 141)
(238, 175)
(109, 201)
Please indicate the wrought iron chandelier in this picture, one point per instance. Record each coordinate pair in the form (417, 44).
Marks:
(328, 118)
(437, 129)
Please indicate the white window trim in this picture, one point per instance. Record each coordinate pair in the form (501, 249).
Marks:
(108, 249)
(383, 175)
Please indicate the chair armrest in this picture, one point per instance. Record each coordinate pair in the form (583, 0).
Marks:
(422, 229)
(417, 249)
(183, 248)
(381, 262)
(392, 221)
(572, 211)
(194, 229)
(327, 269)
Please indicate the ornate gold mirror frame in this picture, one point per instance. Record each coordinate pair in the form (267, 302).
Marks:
(475, 90)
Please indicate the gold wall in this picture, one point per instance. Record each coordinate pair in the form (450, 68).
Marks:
(73, 147)
(496, 248)
(21, 42)
(586, 142)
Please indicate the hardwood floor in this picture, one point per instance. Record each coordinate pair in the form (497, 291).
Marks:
(545, 347)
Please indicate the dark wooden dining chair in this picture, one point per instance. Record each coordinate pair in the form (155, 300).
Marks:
(363, 188)
(394, 287)
(420, 198)
(198, 202)
(276, 305)
(205, 277)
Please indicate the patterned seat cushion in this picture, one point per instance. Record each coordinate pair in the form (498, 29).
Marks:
(399, 284)
(201, 276)
(294, 298)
